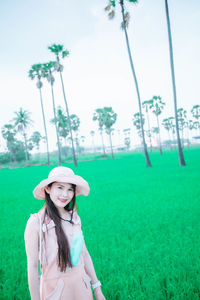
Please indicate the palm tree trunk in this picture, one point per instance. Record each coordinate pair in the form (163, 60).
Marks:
(111, 144)
(58, 142)
(180, 151)
(69, 123)
(148, 163)
(45, 129)
(160, 147)
(104, 152)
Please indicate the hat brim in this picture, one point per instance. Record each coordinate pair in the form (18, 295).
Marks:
(82, 187)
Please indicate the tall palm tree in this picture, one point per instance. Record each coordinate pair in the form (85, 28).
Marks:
(172, 128)
(127, 140)
(180, 150)
(125, 21)
(190, 126)
(92, 133)
(47, 69)
(75, 123)
(157, 106)
(35, 139)
(60, 52)
(196, 114)
(146, 105)
(8, 133)
(62, 125)
(110, 118)
(155, 131)
(182, 117)
(137, 123)
(167, 125)
(36, 72)
(99, 116)
(22, 122)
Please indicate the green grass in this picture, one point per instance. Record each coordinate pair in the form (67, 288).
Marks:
(141, 225)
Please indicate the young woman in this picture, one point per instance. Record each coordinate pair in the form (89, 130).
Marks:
(55, 244)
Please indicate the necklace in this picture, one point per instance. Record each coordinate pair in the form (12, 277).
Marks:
(70, 221)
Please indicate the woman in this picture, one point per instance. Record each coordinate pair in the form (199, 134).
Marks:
(53, 237)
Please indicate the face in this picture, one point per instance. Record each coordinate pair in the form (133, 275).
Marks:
(61, 193)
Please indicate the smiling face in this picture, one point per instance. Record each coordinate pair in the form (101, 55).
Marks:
(61, 193)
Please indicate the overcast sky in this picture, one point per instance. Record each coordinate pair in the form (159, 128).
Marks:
(97, 72)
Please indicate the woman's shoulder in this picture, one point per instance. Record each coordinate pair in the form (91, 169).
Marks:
(76, 218)
(33, 222)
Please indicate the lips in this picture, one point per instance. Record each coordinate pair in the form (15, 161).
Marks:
(63, 200)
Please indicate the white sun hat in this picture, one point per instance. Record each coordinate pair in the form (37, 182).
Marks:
(62, 174)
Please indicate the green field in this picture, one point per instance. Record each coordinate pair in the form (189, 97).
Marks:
(141, 225)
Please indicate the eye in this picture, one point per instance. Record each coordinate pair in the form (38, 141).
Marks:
(71, 190)
(60, 187)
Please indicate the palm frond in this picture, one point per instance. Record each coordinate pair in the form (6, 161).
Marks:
(31, 74)
(111, 14)
(108, 7)
(65, 53)
(112, 2)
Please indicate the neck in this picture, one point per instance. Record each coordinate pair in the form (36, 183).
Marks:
(62, 212)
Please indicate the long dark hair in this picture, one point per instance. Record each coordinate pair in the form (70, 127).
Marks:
(64, 259)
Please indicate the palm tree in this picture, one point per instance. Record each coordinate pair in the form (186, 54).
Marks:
(155, 131)
(35, 139)
(124, 25)
(167, 125)
(137, 123)
(59, 52)
(99, 116)
(196, 113)
(63, 127)
(182, 116)
(47, 73)
(173, 128)
(36, 72)
(196, 125)
(157, 106)
(75, 123)
(146, 105)
(62, 124)
(190, 126)
(9, 132)
(82, 138)
(180, 150)
(109, 118)
(92, 133)
(22, 122)
(127, 140)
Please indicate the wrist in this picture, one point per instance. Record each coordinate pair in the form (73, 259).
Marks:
(96, 285)
(97, 291)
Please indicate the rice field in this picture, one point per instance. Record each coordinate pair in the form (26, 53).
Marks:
(141, 225)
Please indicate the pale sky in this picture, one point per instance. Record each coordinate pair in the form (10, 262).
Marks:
(97, 72)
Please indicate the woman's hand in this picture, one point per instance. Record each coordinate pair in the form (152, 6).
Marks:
(98, 294)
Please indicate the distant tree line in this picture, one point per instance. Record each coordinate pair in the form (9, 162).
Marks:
(66, 125)
(106, 118)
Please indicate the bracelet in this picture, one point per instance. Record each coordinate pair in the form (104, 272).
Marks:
(95, 285)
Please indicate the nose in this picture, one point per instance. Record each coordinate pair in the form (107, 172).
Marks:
(65, 193)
